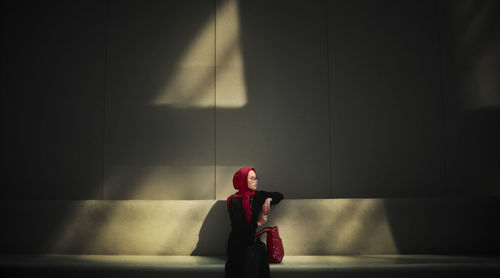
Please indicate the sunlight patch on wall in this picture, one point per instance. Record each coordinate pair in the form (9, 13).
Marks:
(192, 85)
(177, 227)
(341, 226)
(481, 88)
(477, 53)
(230, 74)
(133, 227)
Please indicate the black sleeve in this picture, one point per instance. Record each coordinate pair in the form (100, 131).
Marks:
(276, 196)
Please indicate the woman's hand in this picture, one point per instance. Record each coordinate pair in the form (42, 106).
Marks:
(266, 207)
(262, 219)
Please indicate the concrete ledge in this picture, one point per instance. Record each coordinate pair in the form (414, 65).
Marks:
(367, 262)
(465, 226)
(104, 265)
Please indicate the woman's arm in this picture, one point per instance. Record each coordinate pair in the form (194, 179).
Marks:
(276, 197)
(271, 198)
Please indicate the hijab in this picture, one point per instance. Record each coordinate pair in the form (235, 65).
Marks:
(240, 183)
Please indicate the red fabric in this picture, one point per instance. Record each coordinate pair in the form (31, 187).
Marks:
(240, 183)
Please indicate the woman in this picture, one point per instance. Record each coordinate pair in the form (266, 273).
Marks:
(248, 208)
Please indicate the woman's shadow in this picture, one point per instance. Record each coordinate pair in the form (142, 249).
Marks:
(214, 232)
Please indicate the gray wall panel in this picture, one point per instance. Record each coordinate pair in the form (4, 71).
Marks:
(282, 130)
(52, 85)
(386, 100)
(160, 100)
(471, 56)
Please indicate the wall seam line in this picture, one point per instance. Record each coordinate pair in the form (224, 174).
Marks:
(215, 99)
(330, 122)
(106, 47)
(443, 95)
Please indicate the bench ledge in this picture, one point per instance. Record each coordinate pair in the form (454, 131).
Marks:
(202, 263)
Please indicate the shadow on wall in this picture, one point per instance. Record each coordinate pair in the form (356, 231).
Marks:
(31, 227)
(214, 232)
(455, 226)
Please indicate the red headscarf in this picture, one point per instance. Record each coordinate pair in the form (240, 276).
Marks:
(240, 183)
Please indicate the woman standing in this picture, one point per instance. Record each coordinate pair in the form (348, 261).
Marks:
(248, 208)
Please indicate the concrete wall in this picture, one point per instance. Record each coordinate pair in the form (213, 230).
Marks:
(201, 227)
(53, 76)
(386, 99)
(166, 99)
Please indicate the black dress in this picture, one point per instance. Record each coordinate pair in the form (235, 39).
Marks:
(246, 258)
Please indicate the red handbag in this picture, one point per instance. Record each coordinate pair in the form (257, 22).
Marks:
(274, 244)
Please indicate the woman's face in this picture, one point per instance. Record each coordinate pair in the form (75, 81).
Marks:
(252, 180)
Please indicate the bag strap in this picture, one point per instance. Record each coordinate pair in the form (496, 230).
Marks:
(262, 231)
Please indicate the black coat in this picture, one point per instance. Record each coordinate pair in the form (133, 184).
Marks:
(246, 258)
